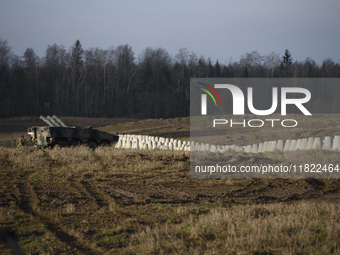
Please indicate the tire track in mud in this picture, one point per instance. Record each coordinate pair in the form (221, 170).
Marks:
(137, 193)
(252, 188)
(146, 194)
(105, 197)
(113, 193)
(255, 191)
(28, 203)
(23, 204)
(98, 198)
(86, 190)
(117, 195)
(262, 191)
(165, 194)
(161, 193)
(181, 194)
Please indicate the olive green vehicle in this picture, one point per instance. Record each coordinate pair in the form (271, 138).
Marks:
(50, 136)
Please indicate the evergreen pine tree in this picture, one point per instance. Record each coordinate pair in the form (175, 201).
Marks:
(286, 63)
(217, 70)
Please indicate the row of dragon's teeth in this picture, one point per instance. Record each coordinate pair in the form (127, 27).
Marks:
(152, 142)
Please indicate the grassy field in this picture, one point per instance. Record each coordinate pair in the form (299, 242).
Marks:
(74, 200)
(115, 201)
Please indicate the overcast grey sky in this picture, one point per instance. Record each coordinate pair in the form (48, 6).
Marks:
(218, 29)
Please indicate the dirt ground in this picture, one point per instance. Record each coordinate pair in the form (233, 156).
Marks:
(97, 212)
(75, 201)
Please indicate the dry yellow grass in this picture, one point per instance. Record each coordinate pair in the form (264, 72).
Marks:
(298, 228)
(144, 202)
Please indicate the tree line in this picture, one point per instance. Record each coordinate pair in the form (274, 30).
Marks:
(116, 83)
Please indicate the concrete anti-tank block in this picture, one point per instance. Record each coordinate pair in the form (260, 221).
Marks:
(328, 143)
(280, 145)
(213, 148)
(260, 150)
(298, 144)
(238, 148)
(336, 142)
(287, 145)
(248, 149)
(254, 148)
(292, 145)
(304, 144)
(273, 145)
(310, 143)
(317, 144)
(265, 146)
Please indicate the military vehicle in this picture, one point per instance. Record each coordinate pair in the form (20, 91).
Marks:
(58, 134)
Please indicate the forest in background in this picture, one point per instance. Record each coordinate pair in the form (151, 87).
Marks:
(116, 83)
